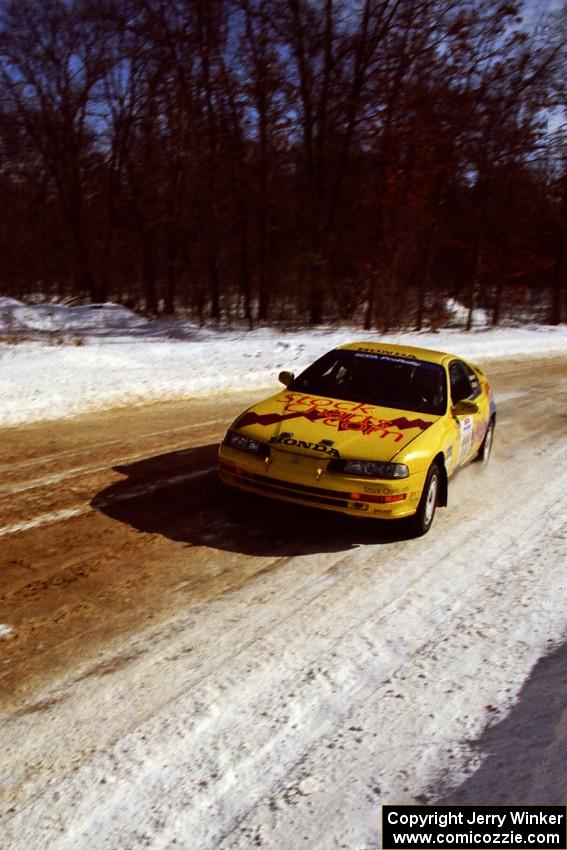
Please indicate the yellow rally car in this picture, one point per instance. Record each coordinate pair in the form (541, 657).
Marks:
(368, 429)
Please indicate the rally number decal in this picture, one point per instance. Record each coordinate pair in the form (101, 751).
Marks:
(466, 438)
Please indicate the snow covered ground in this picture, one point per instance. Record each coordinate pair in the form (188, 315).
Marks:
(302, 671)
(58, 360)
(283, 675)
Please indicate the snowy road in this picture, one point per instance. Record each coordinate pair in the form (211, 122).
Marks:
(182, 671)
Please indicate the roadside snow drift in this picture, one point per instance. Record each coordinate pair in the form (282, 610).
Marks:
(99, 356)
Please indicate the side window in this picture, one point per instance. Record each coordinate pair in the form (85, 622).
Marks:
(474, 382)
(460, 382)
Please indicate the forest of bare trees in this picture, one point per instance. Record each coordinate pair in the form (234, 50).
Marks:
(286, 160)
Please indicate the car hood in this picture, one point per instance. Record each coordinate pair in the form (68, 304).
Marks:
(318, 426)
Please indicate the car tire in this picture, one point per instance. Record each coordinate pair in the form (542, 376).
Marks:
(486, 447)
(423, 518)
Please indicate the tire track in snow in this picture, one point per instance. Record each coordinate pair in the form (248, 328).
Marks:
(86, 507)
(46, 459)
(181, 773)
(271, 677)
(57, 477)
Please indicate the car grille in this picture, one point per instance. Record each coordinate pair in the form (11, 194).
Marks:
(317, 495)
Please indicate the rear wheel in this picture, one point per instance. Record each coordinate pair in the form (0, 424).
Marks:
(423, 518)
(486, 447)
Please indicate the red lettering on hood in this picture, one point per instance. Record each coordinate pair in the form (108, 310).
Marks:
(403, 423)
(342, 420)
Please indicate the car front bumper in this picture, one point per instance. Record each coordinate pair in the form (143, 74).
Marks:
(304, 480)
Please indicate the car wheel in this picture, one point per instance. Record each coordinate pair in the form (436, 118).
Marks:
(423, 518)
(486, 447)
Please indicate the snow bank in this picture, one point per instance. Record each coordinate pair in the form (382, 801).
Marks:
(17, 318)
(125, 360)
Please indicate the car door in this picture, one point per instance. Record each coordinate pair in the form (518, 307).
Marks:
(465, 392)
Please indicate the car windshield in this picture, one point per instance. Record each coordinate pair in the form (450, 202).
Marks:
(384, 380)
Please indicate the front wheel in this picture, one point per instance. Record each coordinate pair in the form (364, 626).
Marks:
(423, 518)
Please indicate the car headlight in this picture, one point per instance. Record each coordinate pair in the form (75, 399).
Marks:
(369, 468)
(245, 444)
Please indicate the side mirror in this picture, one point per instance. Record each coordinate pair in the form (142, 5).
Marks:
(465, 408)
(286, 378)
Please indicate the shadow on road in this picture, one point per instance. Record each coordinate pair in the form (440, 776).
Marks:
(178, 495)
(525, 755)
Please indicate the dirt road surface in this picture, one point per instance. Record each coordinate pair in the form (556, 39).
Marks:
(179, 669)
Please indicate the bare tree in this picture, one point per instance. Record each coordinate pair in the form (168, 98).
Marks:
(51, 58)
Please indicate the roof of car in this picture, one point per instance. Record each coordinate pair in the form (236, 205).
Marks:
(409, 351)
